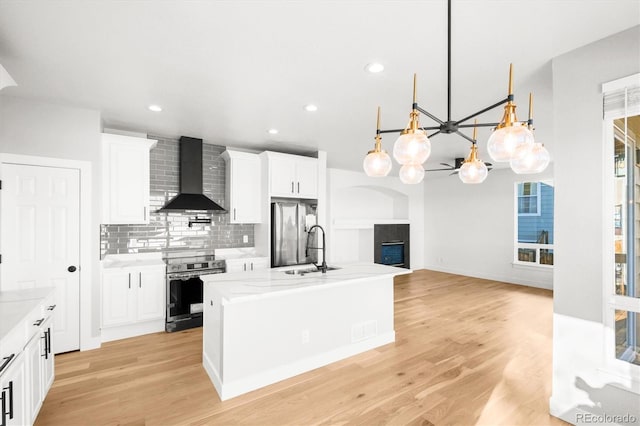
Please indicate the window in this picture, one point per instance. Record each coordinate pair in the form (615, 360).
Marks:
(534, 223)
(529, 199)
(622, 223)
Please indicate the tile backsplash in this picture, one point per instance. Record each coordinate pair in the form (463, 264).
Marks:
(171, 231)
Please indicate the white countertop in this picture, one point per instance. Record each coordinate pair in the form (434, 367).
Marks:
(240, 286)
(136, 260)
(16, 304)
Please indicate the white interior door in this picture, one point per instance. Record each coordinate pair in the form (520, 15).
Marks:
(40, 239)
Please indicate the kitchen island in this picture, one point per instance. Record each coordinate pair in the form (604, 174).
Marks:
(264, 326)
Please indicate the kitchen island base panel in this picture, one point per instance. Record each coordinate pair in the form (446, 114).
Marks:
(256, 341)
(241, 386)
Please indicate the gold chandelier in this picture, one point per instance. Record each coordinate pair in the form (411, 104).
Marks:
(511, 140)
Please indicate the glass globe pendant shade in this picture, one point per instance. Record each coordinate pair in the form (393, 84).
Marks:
(536, 160)
(411, 173)
(377, 164)
(412, 148)
(510, 142)
(473, 172)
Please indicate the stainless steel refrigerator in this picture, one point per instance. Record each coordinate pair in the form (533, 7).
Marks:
(289, 224)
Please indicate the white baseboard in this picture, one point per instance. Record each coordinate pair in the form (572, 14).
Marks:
(212, 373)
(492, 277)
(563, 410)
(131, 330)
(256, 381)
(87, 344)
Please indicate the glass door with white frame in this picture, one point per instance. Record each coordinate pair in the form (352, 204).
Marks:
(626, 229)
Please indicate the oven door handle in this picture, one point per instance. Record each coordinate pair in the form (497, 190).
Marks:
(192, 275)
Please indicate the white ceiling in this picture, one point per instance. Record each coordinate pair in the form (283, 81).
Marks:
(227, 71)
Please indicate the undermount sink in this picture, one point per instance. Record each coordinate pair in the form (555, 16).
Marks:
(308, 270)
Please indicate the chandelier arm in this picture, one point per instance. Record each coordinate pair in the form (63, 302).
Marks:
(391, 131)
(463, 126)
(428, 114)
(402, 130)
(438, 170)
(436, 133)
(497, 104)
(465, 136)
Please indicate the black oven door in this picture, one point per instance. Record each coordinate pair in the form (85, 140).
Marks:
(184, 297)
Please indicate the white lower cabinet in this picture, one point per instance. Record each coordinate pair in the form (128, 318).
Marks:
(34, 352)
(131, 297)
(26, 360)
(39, 369)
(48, 364)
(151, 294)
(247, 264)
(12, 393)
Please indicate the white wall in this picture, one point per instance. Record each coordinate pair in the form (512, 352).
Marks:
(580, 379)
(361, 200)
(469, 229)
(29, 127)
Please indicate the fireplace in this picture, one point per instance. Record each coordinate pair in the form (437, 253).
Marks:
(391, 245)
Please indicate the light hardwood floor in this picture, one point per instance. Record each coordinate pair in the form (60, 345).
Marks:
(467, 352)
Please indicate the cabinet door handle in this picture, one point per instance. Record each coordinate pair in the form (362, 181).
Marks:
(129, 279)
(144, 213)
(4, 409)
(6, 362)
(234, 213)
(298, 187)
(140, 279)
(38, 322)
(10, 389)
(252, 266)
(44, 337)
(51, 308)
(244, 266)
(49, 339)
(46, 344)
(292, 187)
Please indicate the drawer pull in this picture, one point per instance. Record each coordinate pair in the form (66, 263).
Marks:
(51, 308)
(38, 322)
(6, 362)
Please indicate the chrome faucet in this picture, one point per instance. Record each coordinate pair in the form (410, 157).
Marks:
(323, 266)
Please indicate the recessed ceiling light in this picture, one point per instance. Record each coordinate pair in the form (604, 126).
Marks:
(155, 108)
(273, 131)
(374, 67)
(310, 108)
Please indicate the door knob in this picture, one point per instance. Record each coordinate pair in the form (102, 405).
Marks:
(71, 268)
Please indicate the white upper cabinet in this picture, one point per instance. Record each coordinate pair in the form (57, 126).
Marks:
(125, 179)
(243, 189)
(293, 176)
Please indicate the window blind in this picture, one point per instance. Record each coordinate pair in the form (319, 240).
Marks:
(614, 101)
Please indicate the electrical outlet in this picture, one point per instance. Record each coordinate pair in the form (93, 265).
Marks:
(245, 238)
(306, 338)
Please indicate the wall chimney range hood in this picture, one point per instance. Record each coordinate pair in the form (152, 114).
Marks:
(190, 196)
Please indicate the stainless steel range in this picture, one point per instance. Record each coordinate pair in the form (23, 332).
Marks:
(184, 287)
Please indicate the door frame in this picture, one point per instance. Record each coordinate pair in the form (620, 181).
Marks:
(87, 339)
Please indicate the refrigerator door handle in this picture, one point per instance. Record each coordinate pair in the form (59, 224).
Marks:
(302, 233)
(276, 237)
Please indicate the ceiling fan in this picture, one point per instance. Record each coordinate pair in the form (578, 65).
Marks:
(458, 162)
